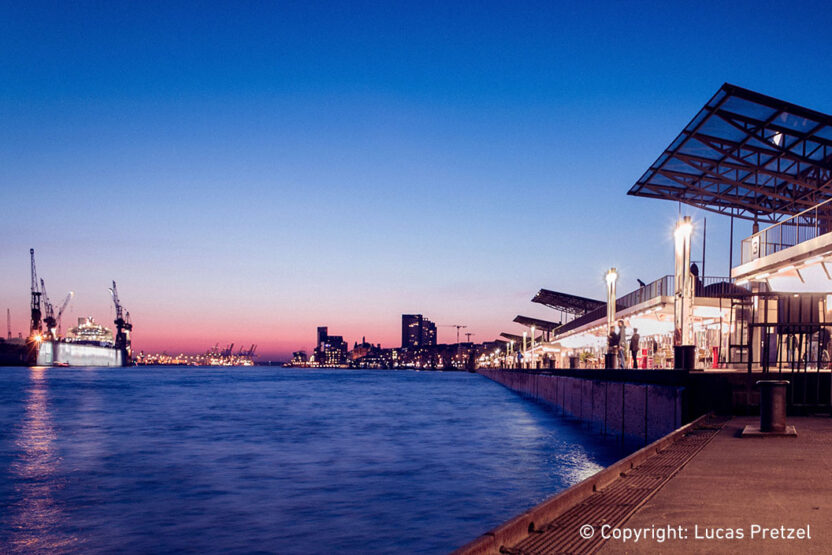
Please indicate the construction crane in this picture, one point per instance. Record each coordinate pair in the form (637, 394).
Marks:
(35, 325)
(9, 323)
(123, 325)
(63, 307)
(457, 326)
(468, 336)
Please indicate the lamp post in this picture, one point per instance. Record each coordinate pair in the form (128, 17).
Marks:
(534, 365)
(683, 347)
(525, 334)
(511, 361)
(610, 278)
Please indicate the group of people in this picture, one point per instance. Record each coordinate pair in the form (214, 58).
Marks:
(617, 343)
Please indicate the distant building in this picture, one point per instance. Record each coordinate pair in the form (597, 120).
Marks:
(299, 358)
(428, 333)
(417, 331)
(331, 349)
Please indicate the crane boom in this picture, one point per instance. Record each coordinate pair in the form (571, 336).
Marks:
(123, 326)
(49, 319)
(35, 325)
(63, 307)
(457, 326)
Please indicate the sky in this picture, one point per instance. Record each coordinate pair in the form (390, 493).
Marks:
(247, 171)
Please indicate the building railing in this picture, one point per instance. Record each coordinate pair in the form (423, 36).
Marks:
(662, 287)
(709, 286)
(811, 223)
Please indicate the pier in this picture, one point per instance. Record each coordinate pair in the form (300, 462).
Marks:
(715, 490)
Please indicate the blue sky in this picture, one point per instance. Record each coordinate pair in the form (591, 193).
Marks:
(247, 171)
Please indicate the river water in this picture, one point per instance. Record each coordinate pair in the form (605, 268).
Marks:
(263, 459)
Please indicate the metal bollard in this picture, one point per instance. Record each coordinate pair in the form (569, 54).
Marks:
(773, 405)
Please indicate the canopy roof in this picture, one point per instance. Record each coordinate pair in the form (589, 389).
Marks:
(542, 325)
(571, 304)
(518, 339)
(746, 154)
(512, 337)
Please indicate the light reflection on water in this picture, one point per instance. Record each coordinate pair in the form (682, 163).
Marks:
(290, 461)
(37, 516)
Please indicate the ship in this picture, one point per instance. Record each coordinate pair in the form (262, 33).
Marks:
(87, 344)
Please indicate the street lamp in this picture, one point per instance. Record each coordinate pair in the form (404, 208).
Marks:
(533, 361)
(610, 278)
(683, 297)
(525, 364)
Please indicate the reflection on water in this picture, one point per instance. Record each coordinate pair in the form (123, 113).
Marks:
(37, 516)
(203, 460)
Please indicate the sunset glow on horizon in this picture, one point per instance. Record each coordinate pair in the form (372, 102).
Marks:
(248, 174)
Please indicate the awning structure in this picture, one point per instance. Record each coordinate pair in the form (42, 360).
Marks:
(748, 155)
(518, 339)
(564, 302)
(542, 325)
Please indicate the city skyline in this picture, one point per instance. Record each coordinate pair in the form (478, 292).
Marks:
(249, 176)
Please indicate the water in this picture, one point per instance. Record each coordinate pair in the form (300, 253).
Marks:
(273, 460)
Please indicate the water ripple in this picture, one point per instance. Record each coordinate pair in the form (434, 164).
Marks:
(272, 460)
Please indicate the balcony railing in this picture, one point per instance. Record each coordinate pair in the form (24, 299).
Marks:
(660, 288)
(807, 225)
(709, 286)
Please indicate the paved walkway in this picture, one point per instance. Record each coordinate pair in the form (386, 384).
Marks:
(736, 483)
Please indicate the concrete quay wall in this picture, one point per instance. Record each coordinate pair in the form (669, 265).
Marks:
(635, 412)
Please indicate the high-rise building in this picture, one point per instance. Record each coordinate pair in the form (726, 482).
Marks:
(331, 349)
(417, 331)
(411, 330)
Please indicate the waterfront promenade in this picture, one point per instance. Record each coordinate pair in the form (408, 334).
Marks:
(735, 483)
(718, 492)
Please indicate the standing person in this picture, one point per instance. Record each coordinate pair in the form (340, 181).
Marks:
(622, 344)
(634, 347)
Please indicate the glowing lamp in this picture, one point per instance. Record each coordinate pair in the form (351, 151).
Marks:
(683, 230)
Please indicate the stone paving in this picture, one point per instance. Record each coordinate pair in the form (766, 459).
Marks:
(758, 488)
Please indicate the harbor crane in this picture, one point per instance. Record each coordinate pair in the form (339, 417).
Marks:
(123, 325)
(48, 320)
(63, 307)
(35, 325)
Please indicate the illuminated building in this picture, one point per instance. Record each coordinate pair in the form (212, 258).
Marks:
(748, 157)
(331, 349)
(417, 331)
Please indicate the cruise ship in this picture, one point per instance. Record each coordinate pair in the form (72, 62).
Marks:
(87, 344)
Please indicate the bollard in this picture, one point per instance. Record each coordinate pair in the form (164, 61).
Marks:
(773, 405)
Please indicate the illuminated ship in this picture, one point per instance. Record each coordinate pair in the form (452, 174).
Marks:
(87, 344)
